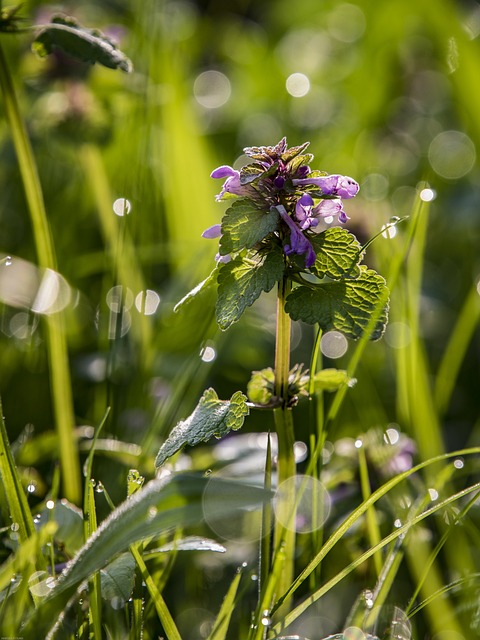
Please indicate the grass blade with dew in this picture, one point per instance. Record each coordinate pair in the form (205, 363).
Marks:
(222, 621)
(360, 510)
(61, 387)
(295, 613)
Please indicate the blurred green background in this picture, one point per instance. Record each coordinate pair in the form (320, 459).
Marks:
(385, 92)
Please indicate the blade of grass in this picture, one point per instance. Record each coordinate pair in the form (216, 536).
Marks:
(456, 348)
(222, 621)
(61, 388)
(295, 613)
(164, 614)
(16, 498)
(373, 528)
(360, 510)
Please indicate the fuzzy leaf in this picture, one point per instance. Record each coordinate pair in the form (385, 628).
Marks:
(244, 225)
(338, 254)
(211, 417)
(240, 283)
(346, 306)
(260, 386)
(87, 45)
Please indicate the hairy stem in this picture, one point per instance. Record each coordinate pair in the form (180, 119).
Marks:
(284, 527)
(56, 342)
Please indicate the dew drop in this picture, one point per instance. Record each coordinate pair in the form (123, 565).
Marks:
(398, 523)
(152, 512)
(50, 504)
(244, 564)
(7, 261)
(15, 526)
(433, 494)
(122, 207)
(254, 577)
(358, 443)
(458, 463)
(99, 488)
(31, 488)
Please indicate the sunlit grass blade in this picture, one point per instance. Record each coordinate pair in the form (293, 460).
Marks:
(22, 520)
(340, 575)
(61, 388)
(360, 510)
(222, 621)
(456, 349)
(373, 527)
(164, 614)
(94, 585)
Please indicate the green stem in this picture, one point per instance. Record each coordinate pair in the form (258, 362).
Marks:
(56, 342)
(284, 527)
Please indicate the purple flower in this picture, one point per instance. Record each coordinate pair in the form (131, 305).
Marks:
(305, 212)
(232, 183)
(298, 242)
(328, 209)
(215, 231)
(335, 185)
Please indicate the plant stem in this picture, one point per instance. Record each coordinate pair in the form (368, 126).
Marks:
(284, 526)
(56, 342)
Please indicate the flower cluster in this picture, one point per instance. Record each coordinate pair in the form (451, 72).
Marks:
(280, 178)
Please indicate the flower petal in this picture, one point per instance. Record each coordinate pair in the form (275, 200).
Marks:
(215, 231)
(223, 172)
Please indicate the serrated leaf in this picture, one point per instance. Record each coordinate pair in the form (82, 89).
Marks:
(346, 305)
(118, 578)
(260, 386)
(338, 254)
(200, 288)
(240, 283)
(290, 153)
(211, 417)
(298, 162)
(244, 225)
(330, 379)
(87, 45)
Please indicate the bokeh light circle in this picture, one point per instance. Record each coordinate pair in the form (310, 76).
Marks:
(312, 500)
(212, 89)
(452, 154)
(298, 85)
(333, 344)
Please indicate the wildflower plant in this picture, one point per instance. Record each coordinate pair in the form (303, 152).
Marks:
(278, 231)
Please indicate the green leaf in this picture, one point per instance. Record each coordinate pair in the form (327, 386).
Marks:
(118, 578)
(346, 306)
(211, 417)
(244, 225)
(200, 288)
(240, 283)
(87, 45)
(161, 506)
(261, 385)
(330, 379)
(338, 254)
